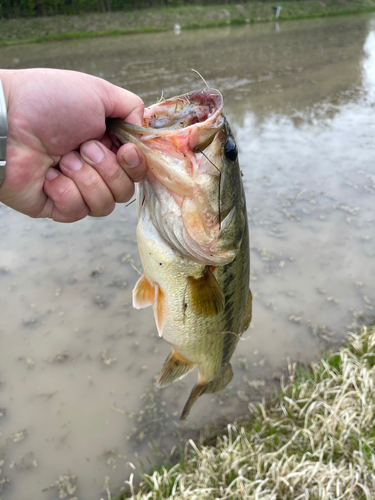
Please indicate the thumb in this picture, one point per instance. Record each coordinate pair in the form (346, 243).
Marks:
(123, 104)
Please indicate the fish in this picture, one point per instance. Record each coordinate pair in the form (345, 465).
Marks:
(193, 236)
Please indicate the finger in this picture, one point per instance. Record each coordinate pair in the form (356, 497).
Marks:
(65, 203)
(133, 161)
(90, 184)
(107, 166)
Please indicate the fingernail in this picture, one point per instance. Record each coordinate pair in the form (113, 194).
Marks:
(71, 161)
(93, 152)
(131, 157)
(51, 174)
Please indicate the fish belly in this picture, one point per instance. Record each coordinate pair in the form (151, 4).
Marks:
(205, 341)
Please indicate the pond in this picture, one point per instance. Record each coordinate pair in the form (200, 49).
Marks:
(78, 363)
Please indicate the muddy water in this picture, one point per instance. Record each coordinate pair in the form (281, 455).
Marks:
(78, 364)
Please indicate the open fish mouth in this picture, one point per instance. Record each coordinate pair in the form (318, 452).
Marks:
(184, 111)
(192, 160)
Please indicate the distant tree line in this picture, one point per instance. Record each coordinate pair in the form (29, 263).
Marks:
(34, 8)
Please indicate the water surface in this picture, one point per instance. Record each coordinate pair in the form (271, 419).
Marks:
(78, 363)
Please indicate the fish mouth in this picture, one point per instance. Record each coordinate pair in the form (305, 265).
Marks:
(182, 139)
(175, 132)
(197, 114)
(184, 111)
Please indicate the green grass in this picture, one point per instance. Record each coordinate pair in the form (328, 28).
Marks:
(71, 36)
(32, 30)
(315, 440)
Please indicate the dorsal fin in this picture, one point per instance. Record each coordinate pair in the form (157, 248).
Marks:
(205, 295)
(143, 293)
(246, 318)
(174, 368)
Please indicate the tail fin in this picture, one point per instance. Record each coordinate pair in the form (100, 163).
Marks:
(214, 386)
(194, 395)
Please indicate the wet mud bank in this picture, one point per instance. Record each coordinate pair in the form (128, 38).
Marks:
(31, 30)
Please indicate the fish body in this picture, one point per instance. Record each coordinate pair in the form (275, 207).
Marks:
(193, 237)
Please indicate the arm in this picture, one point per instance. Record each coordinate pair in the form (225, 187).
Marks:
(60, 162)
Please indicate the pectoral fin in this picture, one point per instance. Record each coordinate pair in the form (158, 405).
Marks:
(205, 295)
(216, 385)
(246, 318)
(174, 368)
(143, 293)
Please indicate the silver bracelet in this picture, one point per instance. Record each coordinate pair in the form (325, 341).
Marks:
(3, 132)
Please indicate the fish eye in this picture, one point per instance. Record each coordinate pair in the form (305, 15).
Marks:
(230, 149)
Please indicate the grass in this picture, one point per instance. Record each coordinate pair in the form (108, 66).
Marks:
(315, 441)
(31, 30)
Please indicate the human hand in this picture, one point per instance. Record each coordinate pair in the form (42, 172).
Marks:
(52, 114)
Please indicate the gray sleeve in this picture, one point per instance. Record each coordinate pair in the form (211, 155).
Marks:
(3, 132)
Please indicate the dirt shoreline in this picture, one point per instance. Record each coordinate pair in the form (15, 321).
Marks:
(43, 29)
(302, 442)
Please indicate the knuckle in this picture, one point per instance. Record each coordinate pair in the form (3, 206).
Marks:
(64, 192)
(69, 202)
(90, 182)
(114, 175)
(96, 193)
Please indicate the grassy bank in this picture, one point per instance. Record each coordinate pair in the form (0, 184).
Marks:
(40, 29)
(315, 441)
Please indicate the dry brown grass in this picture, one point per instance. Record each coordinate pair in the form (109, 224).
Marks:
(316, 441)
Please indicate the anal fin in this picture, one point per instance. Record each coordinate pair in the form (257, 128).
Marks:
(143, 293)
(204, 293)
(174, 368)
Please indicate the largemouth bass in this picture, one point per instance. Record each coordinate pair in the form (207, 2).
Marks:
(192, 236)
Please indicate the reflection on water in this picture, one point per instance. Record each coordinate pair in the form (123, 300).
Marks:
(77, 363)
(369, 63)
